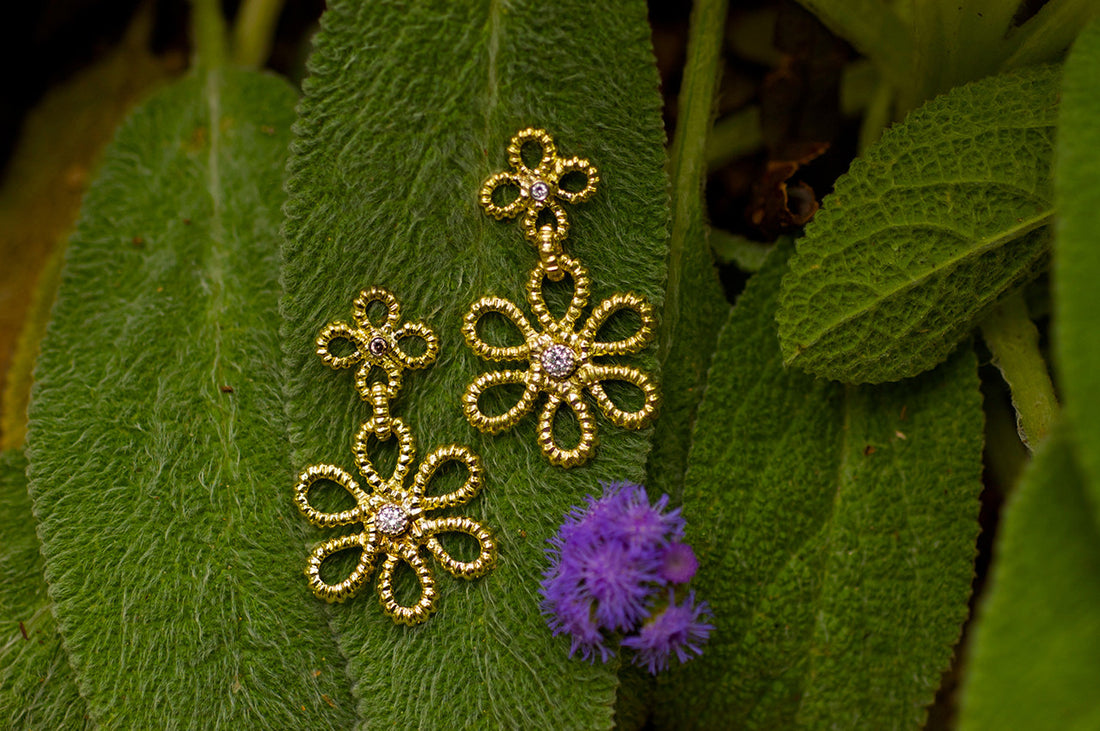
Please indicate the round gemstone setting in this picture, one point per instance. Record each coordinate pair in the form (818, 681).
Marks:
(540, 191)
(378, 345)
(391, 520)
(558, 361)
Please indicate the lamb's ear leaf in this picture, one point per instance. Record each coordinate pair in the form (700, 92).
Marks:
(407, 111)
(944, 216)
(1035, 653)
(835, 529)
(159, 468)
(37, 689)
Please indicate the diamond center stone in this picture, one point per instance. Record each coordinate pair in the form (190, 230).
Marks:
(378, 345)
(558, 361)
(539, 190)
(391, 519)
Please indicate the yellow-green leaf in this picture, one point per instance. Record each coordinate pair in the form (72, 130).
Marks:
(1035, 655)
(1077, 253)
(159, 467)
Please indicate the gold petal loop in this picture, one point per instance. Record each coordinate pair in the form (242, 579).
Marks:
(425, 605)
(611, 305)
(535, 297)
(340, 331)
(412, 331)
(367, 387)
(406, 453)
(508, 210)
(559, 229)
(355, 580)
(582, 167)
(439, 457)
(626, 419)
(532, 136)
(587, 443)
(487, 553)
(361, 308)
(501, 306)
(309, 477)
(496, 424)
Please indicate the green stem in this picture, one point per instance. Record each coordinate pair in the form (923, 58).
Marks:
(208, 31)
(689, 148)
(254, 31)
(1014, 342)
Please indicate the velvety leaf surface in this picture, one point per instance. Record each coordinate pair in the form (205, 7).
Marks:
(835, 531)
(943, 216)
(1035, 654)
(408, 110)
(37, 690)
(1076, 254)
(158, 457)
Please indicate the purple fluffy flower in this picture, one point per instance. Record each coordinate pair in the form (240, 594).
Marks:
(608, 562)
(680, 629)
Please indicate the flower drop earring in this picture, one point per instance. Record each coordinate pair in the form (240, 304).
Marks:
(561, 352)
(393, 515)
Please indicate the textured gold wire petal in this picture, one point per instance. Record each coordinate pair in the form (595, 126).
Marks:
(487, 553)
(508, 210)
(611, 305)
(425, 605)
(504, 307)
(340, 331)
(576, 165)
(539, 137)
(576, 304)
(360, 308)
(586, 445)
(315, 473)
(436, 459)
(626, 419)
(406, 453)
(354, 582)
(496, 424)
(409, 331)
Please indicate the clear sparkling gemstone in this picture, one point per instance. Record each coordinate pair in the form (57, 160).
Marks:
(558, 361)
(539, 190)
(378, 345)
(391, 519)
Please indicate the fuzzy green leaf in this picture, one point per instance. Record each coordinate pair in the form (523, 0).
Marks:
(37, 689)
(408, 110)
(835, 531)
(1036, 649)
(157, 448)
(1076, 254)
(944, 215)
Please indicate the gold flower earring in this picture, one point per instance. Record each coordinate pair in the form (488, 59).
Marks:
(393, 515)
(561, 355)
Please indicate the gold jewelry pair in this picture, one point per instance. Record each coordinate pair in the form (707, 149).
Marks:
(560, 355)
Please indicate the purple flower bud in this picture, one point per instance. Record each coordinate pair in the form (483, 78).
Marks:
(678, 564)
